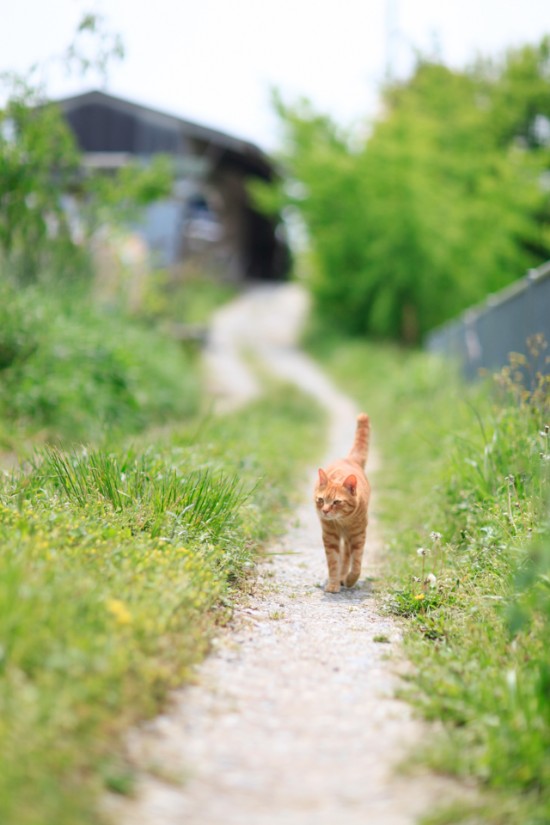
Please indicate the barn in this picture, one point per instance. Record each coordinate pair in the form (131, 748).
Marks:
(209, 220)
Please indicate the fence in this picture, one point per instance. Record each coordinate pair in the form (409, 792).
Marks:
(483, 336)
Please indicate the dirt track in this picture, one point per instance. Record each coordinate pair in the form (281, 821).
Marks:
(292, 719)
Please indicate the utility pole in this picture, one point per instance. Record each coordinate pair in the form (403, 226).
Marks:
(392, 37)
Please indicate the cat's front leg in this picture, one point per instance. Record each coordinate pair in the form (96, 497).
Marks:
(357, 546)
(346, 560)
(331, 540)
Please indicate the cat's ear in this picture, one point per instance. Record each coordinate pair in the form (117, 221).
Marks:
(323, 478)
(350, 483)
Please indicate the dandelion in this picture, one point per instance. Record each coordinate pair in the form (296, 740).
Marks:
(435, 536)
(119, 611)
(422, 552)
(419, 597)
(431, 580)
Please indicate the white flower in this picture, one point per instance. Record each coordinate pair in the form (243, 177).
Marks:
(435, 536)
(421, 551)
(431, 580)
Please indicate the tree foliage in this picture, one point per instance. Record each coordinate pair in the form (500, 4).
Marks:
(38, 166)
(41, 170)
(441, 204)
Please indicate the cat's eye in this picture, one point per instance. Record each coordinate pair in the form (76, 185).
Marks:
(320, 501)
(336, 502)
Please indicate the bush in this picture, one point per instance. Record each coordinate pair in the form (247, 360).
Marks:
(80, 373)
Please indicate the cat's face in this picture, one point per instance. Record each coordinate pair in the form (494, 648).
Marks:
(335, 501)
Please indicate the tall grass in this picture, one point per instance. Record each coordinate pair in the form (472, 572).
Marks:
(114, 568)
(464, 497)
(168, 500)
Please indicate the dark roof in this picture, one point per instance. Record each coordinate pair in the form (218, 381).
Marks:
(252, 156)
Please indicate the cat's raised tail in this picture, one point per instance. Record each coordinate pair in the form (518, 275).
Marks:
(360, 450)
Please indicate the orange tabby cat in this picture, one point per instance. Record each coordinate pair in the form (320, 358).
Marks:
(342, 498)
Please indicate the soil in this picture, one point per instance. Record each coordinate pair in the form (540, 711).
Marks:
(293, 718)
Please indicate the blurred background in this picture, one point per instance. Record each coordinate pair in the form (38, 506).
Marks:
(393, 155)
(214, 61)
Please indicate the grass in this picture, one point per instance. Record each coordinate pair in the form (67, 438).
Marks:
(188, 296)
(115, 567)
(464, 495)
(118, 558)
(72, 371)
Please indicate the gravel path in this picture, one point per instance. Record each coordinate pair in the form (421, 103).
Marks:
(292, 717)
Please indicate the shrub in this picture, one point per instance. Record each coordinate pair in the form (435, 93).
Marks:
(81, 373)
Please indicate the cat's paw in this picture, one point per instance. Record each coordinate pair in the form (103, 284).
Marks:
(351, 578)
(332, 587)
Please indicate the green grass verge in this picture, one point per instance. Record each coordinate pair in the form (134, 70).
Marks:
(115, 567)
(187, 297)
(463, 496)
(72, 371)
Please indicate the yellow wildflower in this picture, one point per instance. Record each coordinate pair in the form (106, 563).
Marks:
(119, 611)
(419, 597)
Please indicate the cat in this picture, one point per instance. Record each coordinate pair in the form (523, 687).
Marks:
(342, 496)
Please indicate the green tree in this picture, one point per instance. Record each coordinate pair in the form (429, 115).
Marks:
(516, 93)
(439, 205)
(40, 166)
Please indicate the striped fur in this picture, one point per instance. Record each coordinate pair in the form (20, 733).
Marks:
(342, 496)
(360, 450)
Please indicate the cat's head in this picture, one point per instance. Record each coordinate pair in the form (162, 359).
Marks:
(335, 500)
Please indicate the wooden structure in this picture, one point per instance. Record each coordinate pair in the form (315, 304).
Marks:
(209, 221)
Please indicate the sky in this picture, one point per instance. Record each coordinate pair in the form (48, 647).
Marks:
(215, 61)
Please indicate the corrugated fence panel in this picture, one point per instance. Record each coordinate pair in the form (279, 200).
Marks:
(484, 336)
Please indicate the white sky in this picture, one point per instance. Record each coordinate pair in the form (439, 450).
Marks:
(214, 61)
